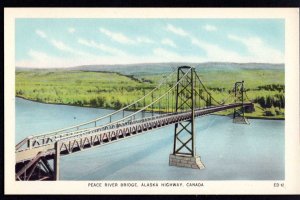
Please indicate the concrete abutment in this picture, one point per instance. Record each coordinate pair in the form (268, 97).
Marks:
(186, 161)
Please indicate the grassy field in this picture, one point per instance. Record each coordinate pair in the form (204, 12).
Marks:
(114, 90)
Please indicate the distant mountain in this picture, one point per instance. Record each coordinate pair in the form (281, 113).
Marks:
(154, 68)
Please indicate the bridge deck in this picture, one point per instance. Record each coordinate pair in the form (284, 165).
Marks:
(93, 137)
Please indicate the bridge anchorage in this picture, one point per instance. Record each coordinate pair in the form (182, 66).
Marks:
(174, 101)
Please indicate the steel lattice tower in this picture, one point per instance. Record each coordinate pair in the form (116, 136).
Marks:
(239, 114)
(184, 149)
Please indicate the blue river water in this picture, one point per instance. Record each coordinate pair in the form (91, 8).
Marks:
(229, 151)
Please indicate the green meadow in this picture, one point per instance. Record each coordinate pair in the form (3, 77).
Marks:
(115, 90)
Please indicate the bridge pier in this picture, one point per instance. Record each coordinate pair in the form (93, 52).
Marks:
(240, 120)
(186, 161)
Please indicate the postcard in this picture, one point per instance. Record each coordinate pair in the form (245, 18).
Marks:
(152, 101)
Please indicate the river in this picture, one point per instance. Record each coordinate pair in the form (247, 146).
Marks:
(229, 151)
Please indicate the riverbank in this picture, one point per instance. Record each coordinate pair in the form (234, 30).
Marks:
(218, 114)
(251, 117)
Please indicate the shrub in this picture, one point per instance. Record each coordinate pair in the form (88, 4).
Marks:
(268, 113)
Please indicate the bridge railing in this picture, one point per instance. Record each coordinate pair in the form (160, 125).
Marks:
(204, 110)
(93, 131)
(22, 142)
(86, 131)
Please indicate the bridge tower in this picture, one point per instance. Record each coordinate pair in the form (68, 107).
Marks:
(184, 149)
(239, 113)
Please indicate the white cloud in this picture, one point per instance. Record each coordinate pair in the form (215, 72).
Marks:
(63, 47)
(176, 30)
(57, 44)
(169, 42)
(258, 50)
(208, 27)
(85, 42)
(40, 59)
(118, 37)
(102, 47)
(71, 30)
(41, 34)
(123, 39)
(213, 51)
(216, 53)
(160, 52)
(163, 55)
(144, 40)
(37, 55)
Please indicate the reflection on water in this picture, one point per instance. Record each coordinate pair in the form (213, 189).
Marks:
(229, 151)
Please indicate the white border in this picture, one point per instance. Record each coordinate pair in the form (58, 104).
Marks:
(292, 139)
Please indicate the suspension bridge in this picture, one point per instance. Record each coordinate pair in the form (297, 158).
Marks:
(177, 100)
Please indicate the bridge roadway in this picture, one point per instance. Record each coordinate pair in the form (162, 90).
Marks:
(93, 137)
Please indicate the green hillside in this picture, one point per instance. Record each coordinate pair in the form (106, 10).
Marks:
(78, 88)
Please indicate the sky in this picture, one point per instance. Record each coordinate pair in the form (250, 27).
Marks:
(46, 43)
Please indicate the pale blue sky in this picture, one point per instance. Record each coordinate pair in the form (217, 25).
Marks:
(72, 42)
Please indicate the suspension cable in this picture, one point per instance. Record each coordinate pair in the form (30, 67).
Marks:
(208, 91)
